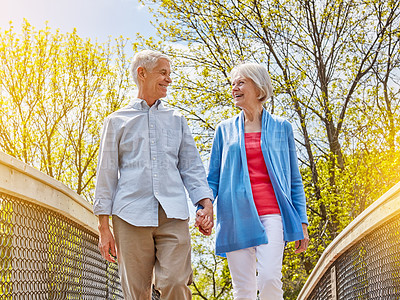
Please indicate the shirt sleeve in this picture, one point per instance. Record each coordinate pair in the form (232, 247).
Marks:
(191, 167)
(215, 163)
(107, 170)
(297, 188)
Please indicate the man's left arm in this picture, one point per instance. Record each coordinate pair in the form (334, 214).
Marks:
(193, 174)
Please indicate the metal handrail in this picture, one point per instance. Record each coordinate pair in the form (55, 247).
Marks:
(48, 240)
(363, 261)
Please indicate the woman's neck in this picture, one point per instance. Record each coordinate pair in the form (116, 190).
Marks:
(252, 119)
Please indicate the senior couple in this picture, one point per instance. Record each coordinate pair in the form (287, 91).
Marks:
(148, 158)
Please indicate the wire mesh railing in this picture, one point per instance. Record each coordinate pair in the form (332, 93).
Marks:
(363, 262)
(44, 255)
(48, 240)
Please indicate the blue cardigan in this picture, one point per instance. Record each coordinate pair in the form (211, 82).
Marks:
(238, 224)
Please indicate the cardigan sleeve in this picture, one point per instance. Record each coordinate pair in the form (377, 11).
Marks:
(297, 188)
(215, 162)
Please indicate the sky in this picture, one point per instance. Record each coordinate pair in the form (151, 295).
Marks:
(94, 19)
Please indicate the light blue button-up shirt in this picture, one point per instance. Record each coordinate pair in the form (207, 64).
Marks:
(148, 157)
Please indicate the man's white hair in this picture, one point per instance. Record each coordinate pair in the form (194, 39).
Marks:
(146, 59)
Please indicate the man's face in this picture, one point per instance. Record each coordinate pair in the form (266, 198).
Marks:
(157, 80)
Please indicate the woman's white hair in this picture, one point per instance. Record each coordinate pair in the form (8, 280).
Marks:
(258, 74)
(146, 59)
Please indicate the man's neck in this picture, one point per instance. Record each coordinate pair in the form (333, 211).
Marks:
(150, 103)
(149, 100)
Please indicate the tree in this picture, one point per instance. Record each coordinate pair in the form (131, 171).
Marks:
(55, 90)
(323, 58)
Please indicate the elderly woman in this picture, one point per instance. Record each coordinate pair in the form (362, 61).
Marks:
(261, 203)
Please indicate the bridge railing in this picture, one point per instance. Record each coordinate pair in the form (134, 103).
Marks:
(363, 262)
(48, 240)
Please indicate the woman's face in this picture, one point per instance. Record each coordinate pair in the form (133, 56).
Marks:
(245, 93)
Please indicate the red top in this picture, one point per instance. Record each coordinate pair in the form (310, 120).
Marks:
(261, 186)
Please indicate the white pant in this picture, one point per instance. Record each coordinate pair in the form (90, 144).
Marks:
(265, 259)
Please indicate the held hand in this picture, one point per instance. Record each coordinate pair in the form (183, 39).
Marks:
(301, 245)
(205, 217)
(206, 232)
(204, 224)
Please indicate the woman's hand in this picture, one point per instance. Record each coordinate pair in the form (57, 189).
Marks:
(301, 245)
(205, 224)
(205, 217)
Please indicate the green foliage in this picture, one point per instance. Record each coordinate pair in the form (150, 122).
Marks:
(55, 90)
(335, 71)
(211, 278)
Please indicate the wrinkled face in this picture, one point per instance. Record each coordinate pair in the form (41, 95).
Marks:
(156, 81)
(244, 92)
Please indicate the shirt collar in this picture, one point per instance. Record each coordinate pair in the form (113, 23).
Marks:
(141, 104)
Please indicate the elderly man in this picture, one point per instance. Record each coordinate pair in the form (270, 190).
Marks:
(147, 158)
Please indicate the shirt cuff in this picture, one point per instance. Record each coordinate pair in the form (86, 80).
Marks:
(102, 207)
(200, 193)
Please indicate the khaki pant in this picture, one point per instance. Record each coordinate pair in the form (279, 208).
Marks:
(165, 248)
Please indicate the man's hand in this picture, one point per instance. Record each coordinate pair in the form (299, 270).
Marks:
(302, 245)
(205, 217)
(106, 240)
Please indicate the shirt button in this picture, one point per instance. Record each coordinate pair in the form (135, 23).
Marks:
(156, 193)
(151, 125)
(152, 142)
(154, 158)
(155, 175)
